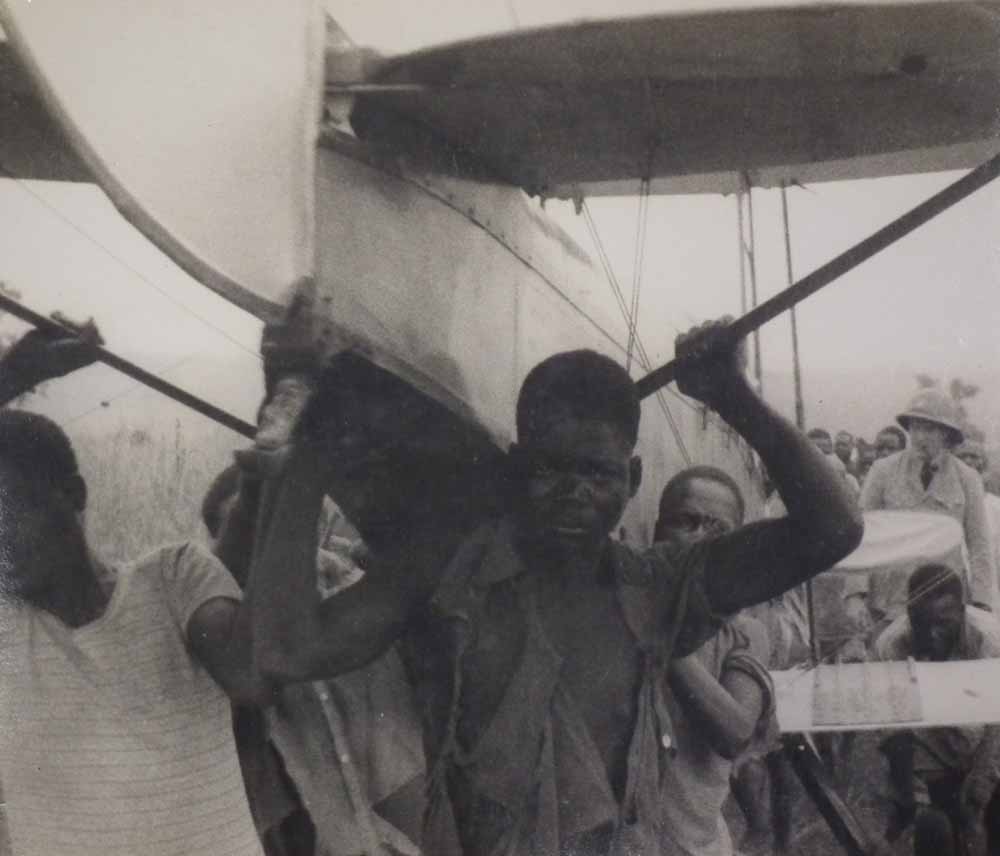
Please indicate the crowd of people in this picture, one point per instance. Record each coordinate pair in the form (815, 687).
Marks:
(529, 687)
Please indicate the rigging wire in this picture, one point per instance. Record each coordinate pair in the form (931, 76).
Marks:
(637, 263)
(124, 264)
(125, 392)
(644, 360)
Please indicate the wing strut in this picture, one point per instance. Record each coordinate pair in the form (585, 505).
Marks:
(179, 395)
(846, 261)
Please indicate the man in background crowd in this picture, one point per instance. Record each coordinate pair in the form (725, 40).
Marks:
(867, 455)
(843, 448)
(821, 437)
(889, 440)
(945, 779)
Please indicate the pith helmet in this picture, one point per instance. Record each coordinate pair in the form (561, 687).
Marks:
(932, 405)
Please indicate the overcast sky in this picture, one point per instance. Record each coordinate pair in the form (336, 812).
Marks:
(929, 304)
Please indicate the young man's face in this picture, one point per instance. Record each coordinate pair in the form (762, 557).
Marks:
(937, 624)
(927, 438)
(707, 509)
(844, 446)
(39, 534)
(887, 443)
(579, 475)
(823, 443)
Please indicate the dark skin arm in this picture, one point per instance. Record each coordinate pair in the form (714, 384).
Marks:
(37, 357)
(766, 558)
(727, 710)
(299, 636)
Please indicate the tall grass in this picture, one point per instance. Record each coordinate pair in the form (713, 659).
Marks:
(145, 485)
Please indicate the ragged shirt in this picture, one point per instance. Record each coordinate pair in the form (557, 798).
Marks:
(696, 778)
(534, 782)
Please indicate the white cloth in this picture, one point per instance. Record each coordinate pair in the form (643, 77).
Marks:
(115, 742)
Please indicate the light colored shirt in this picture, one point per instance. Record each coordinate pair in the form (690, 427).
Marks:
(696, 778)
(349, 742)
(956, 490)
(115, 741)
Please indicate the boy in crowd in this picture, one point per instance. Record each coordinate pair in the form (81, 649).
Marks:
(117, 734)
(945, 778)
(722, 697)
(539, 651)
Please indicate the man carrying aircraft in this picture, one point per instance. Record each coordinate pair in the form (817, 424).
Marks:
(539, 651)
(117, 735)
(722, 699)
(944, 778)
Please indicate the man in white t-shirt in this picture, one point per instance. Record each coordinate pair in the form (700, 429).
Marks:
(116, 733)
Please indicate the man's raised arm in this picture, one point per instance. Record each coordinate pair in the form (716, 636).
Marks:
(38, 356)
(764, 559)
(298, 635)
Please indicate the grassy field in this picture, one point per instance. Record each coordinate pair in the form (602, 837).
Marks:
(146, 485)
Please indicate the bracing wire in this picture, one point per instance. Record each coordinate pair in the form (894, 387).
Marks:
(619, 295)
(125, 392)
(637, 264)
(123, 263)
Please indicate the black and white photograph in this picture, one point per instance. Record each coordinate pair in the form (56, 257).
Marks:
(499, 428)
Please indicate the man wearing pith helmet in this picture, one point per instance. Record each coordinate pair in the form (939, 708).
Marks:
(927, 476)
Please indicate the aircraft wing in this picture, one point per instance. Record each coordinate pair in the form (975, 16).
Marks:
(198, 120)
(792, 93)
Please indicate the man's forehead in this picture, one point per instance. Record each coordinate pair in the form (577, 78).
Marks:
(558, 422)
(705, 492)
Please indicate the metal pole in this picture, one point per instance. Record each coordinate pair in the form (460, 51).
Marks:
(743, 258)
(800, 407)
(179, 395)
(840, 265)
(752, 256)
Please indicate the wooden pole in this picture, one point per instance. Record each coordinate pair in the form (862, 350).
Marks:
(8, 304)
(846, 261)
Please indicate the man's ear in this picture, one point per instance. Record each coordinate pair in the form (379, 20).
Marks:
(76, 490)
(635, 475)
